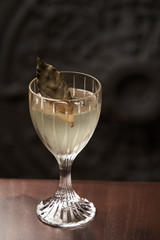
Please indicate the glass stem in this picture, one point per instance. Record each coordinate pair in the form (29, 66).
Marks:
(65, 177)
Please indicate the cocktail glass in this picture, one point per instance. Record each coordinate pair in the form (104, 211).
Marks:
(65, 127)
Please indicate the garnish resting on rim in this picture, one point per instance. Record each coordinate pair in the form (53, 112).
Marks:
(52, 85)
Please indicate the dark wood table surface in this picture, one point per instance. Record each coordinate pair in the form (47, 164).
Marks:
(125, 210)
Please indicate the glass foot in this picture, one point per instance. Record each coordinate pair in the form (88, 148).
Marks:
(66, 209)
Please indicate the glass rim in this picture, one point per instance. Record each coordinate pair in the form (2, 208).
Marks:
(70, 100)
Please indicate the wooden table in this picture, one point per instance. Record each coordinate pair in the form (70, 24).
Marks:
(125, 210)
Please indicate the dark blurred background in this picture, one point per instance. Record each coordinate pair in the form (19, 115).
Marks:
(116, 41)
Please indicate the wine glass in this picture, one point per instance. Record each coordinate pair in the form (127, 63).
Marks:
(65, 127)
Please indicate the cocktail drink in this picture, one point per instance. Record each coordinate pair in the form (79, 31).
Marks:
(65, 127)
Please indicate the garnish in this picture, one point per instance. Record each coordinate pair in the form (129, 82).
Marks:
(52, 85)
(50, 82)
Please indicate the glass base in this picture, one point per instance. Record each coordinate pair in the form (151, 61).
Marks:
(66, 209)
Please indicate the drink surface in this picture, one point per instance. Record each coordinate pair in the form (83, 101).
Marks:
(65, 127)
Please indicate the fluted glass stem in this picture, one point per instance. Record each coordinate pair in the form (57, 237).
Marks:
(65, 178)
(66, 208)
